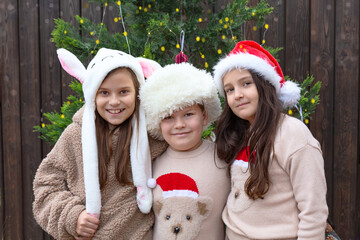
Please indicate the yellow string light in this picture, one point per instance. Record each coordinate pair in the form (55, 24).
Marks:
(254, 28)
(197, 39)
(200, 19)
(203, 39)
(97, 41)
(253, 14)
(177, 10)
(306, 121)
(263, 41)
(225, 26)
(226, 19)
(116, 19)
(125, 34)
(81, 21)
(145, 9)
(177, 45)
(62, 116)
(140, 8)
(290, 112)
(43, 125)
(91, 33)
(223, 37)
(221, 21)
(206, 65)
(162, 48)
(149, 6)
(312, 101)
(68, 103)
(106, 4)
(266, 26)
(119, 3)
(65, 32)
(219, 51)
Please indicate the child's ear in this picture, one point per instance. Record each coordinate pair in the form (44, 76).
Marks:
(205, 117)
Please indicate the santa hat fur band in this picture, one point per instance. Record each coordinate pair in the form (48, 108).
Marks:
(251, 56)
(175, 87)
(105, 61)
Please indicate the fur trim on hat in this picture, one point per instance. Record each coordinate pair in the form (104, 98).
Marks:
(175, 87)
(104, 62)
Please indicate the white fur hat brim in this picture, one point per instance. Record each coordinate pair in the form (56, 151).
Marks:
(174, 87)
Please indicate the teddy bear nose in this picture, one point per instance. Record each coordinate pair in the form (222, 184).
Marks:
(176, 230)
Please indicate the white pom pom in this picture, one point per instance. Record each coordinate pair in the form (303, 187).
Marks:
(289, 94)
(151, 183)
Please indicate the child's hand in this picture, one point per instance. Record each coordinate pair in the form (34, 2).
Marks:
(86, 225)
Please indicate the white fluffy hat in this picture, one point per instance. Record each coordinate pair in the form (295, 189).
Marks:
(105, 61)
(174, 87)
(252, 56)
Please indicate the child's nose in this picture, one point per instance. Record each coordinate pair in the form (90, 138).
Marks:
(114, 100)
(238, 93)
(179, 123)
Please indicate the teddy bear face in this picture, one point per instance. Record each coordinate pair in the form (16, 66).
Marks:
(238, 200)
(180, 218)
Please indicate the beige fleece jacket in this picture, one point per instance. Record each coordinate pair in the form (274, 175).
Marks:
(295, 205)
(60, 195)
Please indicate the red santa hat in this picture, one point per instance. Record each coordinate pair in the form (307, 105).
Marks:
(251, 56)
(177, 185)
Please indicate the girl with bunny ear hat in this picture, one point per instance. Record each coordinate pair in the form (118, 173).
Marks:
(96, 174)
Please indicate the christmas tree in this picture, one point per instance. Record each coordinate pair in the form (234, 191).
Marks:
(163, 30)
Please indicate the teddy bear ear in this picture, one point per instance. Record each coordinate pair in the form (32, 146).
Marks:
(157, 206)
(71, 64)
(205, 205)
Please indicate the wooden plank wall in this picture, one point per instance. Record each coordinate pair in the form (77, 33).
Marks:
(319, 37)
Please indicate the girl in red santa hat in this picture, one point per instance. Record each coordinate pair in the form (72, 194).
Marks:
(278, 186)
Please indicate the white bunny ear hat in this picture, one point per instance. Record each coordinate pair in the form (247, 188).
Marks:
(105, 61)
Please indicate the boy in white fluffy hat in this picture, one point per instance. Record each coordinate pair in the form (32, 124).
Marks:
(93, 184)
(180, 101)
(278, 186)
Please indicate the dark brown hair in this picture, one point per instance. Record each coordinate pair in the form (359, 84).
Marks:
(234, 133)
(121, 150)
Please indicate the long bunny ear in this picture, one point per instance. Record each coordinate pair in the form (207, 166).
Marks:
(71, 64)
(148, 66)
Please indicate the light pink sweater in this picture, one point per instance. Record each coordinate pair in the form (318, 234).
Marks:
(210, 177)
(295, 205)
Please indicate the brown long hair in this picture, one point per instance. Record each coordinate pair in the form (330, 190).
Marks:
(121, 151)
(234, 133)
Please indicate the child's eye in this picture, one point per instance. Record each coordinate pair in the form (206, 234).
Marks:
(229, 90)
(188, 114)
(104, 93)
(124, 91)
(168, 118)
(247, 83)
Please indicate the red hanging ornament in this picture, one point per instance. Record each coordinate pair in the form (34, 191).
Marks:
(181, 57)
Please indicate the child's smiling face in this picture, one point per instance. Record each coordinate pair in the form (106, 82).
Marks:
(182, 130)
(115, 98)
